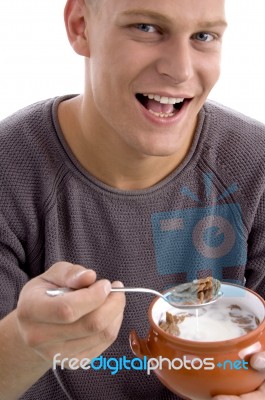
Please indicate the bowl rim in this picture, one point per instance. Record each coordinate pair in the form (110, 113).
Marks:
(216, 344)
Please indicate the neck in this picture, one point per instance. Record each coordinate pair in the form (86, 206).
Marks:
(111, 163)
(127, 173)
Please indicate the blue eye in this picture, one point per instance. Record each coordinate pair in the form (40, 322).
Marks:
(146, 28)
(204, 36)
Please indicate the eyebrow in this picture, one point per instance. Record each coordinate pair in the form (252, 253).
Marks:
(162, 18)
(211, 24)
(145, 13)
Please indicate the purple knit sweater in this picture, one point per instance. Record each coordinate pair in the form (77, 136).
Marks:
(205, 218)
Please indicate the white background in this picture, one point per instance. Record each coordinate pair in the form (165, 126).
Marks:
(37, 62)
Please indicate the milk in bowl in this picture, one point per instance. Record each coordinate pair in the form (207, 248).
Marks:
(218, 321)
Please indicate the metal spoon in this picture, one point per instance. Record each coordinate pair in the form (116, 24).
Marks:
(182, 296)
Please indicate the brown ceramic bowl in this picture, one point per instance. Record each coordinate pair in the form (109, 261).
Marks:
(234, 377)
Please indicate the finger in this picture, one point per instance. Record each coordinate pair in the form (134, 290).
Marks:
(89, 346)
(64, 274)
(257, 361)
(84, 357)
(65, 309)
(104, 339)
(93, 323)
(225, 397)
(98, 321)
(93, 350)
(256, 395)
(262, 389)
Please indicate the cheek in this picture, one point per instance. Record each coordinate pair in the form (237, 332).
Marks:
(108, 87)
(210, 72)
(106, 68)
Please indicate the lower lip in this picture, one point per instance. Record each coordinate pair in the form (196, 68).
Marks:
(166, 121)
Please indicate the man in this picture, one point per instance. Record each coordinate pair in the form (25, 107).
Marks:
(110, 185)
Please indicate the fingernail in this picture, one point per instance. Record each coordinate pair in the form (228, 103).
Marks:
(258, 363)
(106, 286)
(80, 273)
(117, 284)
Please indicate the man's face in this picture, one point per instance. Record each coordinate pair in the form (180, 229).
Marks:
(152, 65)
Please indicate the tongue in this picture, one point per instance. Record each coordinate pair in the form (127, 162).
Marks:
(158, 107)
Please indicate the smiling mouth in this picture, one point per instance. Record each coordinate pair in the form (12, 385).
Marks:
(161, 106)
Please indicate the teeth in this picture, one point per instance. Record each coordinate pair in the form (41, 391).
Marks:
(164, 99)
(161, 115)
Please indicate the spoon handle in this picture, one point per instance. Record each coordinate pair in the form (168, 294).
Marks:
(60, 291)
(136, 289)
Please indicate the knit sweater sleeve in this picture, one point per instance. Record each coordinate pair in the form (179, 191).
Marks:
(255, 269)
(13, 278)
(26, 178)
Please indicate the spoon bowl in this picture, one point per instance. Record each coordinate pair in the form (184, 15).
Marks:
(172, 298)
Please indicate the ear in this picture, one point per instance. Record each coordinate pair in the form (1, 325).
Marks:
(75, 22)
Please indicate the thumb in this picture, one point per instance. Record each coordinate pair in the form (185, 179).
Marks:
(257, 361)
(65, 274)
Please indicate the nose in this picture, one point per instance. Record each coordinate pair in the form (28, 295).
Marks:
(175, 61)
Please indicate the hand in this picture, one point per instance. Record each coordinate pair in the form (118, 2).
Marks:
(79, 324)
(257, 362)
